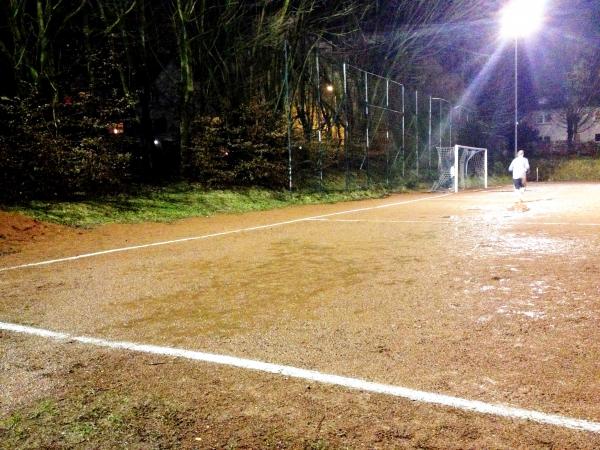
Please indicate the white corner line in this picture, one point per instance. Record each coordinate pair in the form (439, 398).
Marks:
(207, 236)
(474, 406)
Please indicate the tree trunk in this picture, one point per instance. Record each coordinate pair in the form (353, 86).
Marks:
(571, 129)
(8, 84)
(182, 17)
(144, 115)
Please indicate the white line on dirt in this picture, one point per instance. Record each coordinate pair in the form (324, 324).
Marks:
(223, 233)
(379, 221)
(353, 383)
(575, 224)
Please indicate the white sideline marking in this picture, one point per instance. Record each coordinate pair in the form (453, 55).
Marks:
(223, 233)
(575, 224)
(353, 383)
(380, 221)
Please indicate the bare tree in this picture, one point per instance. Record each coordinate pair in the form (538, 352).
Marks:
(580, 113)
(406, 34)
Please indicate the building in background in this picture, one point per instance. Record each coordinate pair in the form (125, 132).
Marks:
(551, 124)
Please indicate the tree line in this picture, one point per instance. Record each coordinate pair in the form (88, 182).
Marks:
(97, 93)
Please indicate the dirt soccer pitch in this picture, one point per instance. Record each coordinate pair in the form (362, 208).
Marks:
(416, 321)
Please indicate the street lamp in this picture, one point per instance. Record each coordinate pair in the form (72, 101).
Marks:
(461, 107)
(520, 18)
(458, 108)
(440, 123)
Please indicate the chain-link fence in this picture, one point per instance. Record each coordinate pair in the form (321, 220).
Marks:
(353, 129)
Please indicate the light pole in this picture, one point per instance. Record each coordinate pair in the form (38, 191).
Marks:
(450, 123)
(459, 108)
(520, 18)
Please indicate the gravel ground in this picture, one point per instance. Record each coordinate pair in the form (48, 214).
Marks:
(463, 295)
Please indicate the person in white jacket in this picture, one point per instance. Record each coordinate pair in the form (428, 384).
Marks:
(519, 168)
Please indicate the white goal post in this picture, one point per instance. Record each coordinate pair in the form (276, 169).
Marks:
(461, 167)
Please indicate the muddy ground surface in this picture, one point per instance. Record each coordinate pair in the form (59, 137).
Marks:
(463, 295)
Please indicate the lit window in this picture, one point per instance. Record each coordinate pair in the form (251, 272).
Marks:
(543, 117)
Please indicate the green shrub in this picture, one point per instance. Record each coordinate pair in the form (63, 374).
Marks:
(246, 148)
(577, 169)
(61, 150)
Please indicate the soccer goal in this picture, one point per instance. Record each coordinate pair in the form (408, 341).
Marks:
(461, 167)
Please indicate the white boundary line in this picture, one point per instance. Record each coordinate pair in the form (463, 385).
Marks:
(352, 383)
(380, 221)
(453, 222)
(223, 233)
(574, 224)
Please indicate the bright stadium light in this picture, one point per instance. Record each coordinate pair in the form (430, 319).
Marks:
(521, 18)
(518, 19)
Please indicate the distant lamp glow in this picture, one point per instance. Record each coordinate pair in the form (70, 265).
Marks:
(520, 18)
(156, 142)
(116, 128)
(329, 88)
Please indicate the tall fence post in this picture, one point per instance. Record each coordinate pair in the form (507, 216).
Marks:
(346, 124)
(450, 124)
(320, 119)
(288, 108)
(441, 122)
(429, 131)
(387, 132)
(403, 134)
(417, 129)
(366, 156)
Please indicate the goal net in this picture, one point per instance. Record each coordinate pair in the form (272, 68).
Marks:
(461, 167)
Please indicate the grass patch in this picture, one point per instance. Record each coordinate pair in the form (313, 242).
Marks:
(46, 408)
(178, 201)
(184, 200)
(12, 424)
(577, 170)
(102, 420)
(319, 444)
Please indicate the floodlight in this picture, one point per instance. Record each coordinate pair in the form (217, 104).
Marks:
(520, 18)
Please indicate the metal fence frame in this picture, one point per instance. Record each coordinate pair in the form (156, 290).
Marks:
(338, 113)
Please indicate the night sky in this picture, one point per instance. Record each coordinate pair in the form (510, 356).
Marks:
(571, 31)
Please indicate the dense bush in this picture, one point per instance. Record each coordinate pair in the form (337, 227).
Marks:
(61, 150)
(245, 148)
